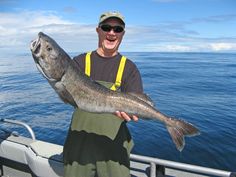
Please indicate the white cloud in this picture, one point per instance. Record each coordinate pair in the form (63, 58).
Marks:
(18, 29)
(177, 48)
(223, 46)
(168, 48)
(15, 23)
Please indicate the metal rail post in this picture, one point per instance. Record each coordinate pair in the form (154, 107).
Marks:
(22, 124)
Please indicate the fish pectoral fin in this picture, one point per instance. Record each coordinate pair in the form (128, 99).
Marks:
(64, 95)
(178, 129)
(142, 96)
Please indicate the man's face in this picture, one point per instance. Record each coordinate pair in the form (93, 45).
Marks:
(110, 39)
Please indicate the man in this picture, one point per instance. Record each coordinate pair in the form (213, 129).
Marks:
(100, 144)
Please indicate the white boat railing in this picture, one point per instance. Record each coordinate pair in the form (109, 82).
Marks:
(16, 122)
(180, 166)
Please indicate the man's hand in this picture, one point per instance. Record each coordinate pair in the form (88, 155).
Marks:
(125, 116)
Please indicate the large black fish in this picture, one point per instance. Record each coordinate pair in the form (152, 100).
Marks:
(77, 89)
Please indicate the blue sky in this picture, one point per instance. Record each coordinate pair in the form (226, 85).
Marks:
(152, 25)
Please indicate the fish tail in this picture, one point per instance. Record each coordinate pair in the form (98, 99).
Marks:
(178, 129)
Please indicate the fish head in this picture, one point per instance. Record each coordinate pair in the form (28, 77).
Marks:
(50, 59)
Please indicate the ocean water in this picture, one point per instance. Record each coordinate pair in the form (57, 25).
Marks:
(197, 87)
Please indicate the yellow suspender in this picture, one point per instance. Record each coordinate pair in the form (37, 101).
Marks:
(119, 73)
(88, 64)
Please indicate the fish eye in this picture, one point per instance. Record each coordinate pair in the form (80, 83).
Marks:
(48, 48)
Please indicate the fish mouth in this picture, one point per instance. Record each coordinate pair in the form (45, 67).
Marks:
(35, 46)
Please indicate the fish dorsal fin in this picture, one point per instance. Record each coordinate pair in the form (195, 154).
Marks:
(142, 96)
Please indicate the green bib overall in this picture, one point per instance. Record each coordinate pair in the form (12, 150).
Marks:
(97, 145)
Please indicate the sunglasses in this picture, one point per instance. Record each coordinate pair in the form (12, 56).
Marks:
(108, 28)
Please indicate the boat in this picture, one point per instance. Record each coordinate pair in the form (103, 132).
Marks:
(21, 156)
